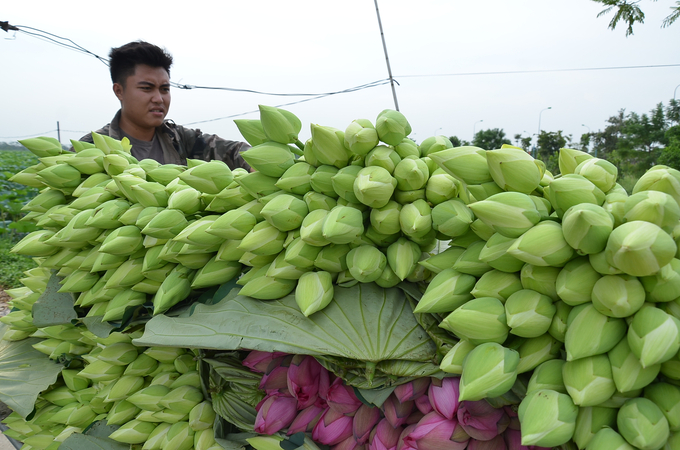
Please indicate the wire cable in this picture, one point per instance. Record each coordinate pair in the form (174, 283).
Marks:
(512, 72)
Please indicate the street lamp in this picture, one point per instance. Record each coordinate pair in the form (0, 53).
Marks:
(474, 128)
(675, 91)
(539, 128)
(435, 131)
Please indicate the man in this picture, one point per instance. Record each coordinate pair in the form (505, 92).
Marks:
(141, 81)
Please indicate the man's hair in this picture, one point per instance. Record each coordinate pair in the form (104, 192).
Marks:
(123, 60)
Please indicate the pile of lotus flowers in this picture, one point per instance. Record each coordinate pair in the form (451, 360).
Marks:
(303, 397)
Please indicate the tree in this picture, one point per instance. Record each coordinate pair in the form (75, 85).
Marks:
(523, 142)
(457, 142)
(549, 144)
(629, 12)
(490, 139)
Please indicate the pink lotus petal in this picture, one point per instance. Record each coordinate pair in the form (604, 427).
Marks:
(443, 395)
(258, 361)
(306, 420)
(395, 412)
(384, 436)
(341, 397)
(434, 432)
(481, 420)
(412, 390)
(275, 414)
(365, 419)
(496, 443)
(423, 404)
(333, 427)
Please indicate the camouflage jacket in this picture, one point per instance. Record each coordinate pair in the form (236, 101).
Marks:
(180, 143)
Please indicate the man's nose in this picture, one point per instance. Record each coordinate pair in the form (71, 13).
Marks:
(157, 97)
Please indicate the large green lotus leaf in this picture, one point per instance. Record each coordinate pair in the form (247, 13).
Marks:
(95, 438)
(24, 373)
(53, 308)
(363, 322)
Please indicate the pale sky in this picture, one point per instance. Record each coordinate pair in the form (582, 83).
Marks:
(316, 46)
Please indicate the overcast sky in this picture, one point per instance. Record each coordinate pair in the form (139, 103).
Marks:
(453, 61)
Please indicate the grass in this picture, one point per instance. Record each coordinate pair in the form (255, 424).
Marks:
(13, 265)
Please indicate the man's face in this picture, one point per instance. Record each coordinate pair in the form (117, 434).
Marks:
(144, 98)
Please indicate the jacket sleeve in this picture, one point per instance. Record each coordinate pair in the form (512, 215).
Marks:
(209, 147)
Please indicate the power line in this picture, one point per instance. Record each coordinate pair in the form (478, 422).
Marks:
(511, 72)
(28, 135)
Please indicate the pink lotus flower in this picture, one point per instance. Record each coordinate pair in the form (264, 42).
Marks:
(365, 419)
(258, 361)
(397, 413)
(384, 436)
(275, 413)
(306, 419)
(401, 444)
(497, 443)
(435, 432)
(333, 427)
(513, 441)
(415, 417)
(443, 395)
(275, 378)
(481, 420)
(423, 404)
(341, 398)
(349, 444)
(303, 379)
(412, 390)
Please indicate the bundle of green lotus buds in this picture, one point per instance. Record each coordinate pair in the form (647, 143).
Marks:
(566, 281)
(153, 396)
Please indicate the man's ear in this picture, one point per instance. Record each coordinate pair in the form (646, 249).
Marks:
(118, 90)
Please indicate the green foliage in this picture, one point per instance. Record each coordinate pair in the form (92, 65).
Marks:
(13, 265)
(490, 139)
(13, 196)
(627, 181)
(628, 12)
(457, 142)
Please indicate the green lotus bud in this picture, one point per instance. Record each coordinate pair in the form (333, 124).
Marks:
(201, 416)
(119, 354)
(165, 173)
(407, 147)
(589, 380)
(182, 399)
(285, 212)
(452, 218)
(42, 146)
(124, 387)
(569, 159)
(392, 126)
(627, 371)
(664, 286)
(575, 282)
(600, 172)
(60, 176)
(591, 420)
(263, 239)
(211, 177)
(667, 397)
(234, 224)
(146, 215)
(447, 291)
(175, 288)
(469, 261)
(535, 351)
(279, 125)
(656, 207)
(187, 200)
(600, 264)
(541, 279)
(497, 284)
(586, 227)
(267, 288)
(142, 366)
(49, 198)
(107, 214)
(489, 370)
(434, 144)
(126, 274)
(618, 295)
(101, 371)
(494, 253)
(270, 158)
(639, 248)
(642, 423)
(509, 213)
(314, 292)
(415, 219)
(442, 260)
(254, 207)
(121, 412)
(529, 313)
(547, 418)
(185, 363)
(411, 173)
(479, 320)
(329, 146)
(315, 200)
(653, 336)
(360, 136)
(547, 375)
(116, 307)
(133, 432)
(321, 180)
(301, 254)
(441, 187)
(215, 273)
(542, 245)
(297, 179)
(468, 164)
(482, 230)
(148, 398)
(590, 332)
(403, 256)
(383, 156)
(343, 224)
(228, 199)
(454, 358)
(660, 178)
(366, 263)
(374, 186)
(343, 183)
(513, 169)
(332, 258)
(608, 439)
(179, 436)
(172, 380)
(386, 219)
(572, 189)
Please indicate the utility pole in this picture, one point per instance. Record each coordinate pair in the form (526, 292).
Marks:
(387, 59)
(58, 132)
